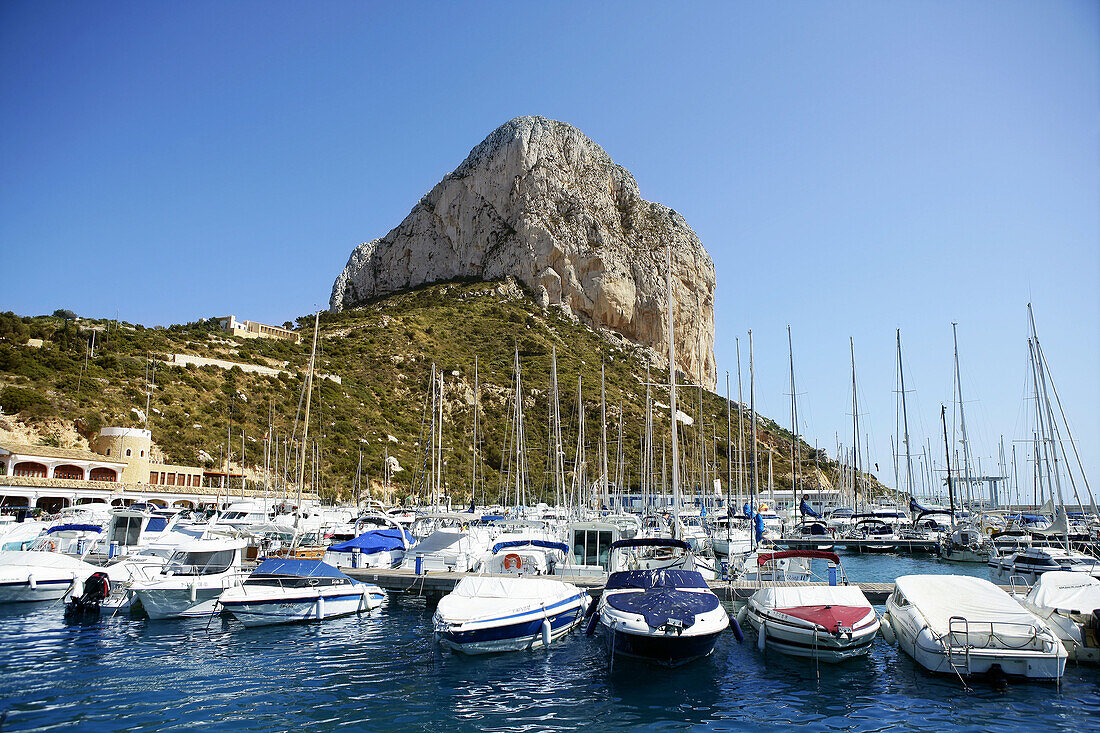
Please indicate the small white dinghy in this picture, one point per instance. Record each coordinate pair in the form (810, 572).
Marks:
(829, 623)
(282, 591)
(1070, 603)
(968, 626)
(485, 614)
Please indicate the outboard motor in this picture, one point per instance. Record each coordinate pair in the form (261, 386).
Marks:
(97, 588)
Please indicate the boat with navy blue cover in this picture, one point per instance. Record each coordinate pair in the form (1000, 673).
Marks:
(284, 590)
(658, 607)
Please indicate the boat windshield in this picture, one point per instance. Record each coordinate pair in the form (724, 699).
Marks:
(199, 563)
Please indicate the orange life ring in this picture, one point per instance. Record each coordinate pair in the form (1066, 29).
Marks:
(512, 561)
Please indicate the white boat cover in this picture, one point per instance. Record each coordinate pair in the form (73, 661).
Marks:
(443, 544)
(811, 595)
(478, 597)
(1067, 591)
(939, 597)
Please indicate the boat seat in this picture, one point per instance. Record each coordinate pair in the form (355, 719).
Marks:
(662, 606)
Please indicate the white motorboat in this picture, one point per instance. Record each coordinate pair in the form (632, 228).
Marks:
(968, 626)
(486, 614)
(1070, 604)
(659, 609)
(1030, 564)
(966, 543)
(193, 578)
(288, 590)
(829, 623)
(775, 565)
(34, 575)
(527, 556)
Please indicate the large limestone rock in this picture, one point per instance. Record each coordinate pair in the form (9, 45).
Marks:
(539, 201)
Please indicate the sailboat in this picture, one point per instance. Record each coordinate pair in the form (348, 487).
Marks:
(1052, 462)
(656, 606)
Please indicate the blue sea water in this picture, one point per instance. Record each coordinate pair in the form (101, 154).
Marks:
(382, 673)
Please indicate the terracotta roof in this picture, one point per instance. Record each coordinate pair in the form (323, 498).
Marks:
(44, 451)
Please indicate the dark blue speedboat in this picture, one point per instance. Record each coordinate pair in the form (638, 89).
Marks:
(659, 608)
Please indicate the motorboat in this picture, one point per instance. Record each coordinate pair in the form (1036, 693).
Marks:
(527, 556)
(775, 566)
(966, 543)
(829, 623)
(485, 614)
(870, 534)
(729, 537)
(656, 606)
(283, 591)
(196, 574)
(1031, 563)
(967, 626)
(378, 548)
(590, 549)
(1070, 604)
(36, 575)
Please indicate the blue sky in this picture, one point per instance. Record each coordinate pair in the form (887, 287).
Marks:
(851, 167)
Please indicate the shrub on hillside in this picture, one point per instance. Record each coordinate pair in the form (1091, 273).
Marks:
(18, 399)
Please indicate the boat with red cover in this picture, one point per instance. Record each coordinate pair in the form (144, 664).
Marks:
(829, 623)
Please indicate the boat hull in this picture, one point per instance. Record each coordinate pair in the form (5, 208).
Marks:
(46, 589)
(517, 636)
(293, 605)
(801, 641)
(175, 602)
(668, 650)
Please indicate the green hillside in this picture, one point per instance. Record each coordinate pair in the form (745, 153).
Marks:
(383, 353)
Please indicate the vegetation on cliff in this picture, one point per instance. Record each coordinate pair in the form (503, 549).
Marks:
(383, 353)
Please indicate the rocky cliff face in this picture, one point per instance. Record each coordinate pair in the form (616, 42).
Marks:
(539, 201)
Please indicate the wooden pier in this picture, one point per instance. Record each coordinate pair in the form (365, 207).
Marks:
(433, 585)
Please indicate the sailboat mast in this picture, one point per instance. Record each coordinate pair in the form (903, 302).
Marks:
(855, 429)
(794, 430)
(752, 439)
(603, 439)
(905, 422)
(305, 423)
(740, 429)
(962, 415)
(672, 397)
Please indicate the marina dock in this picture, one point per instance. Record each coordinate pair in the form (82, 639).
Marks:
(438, 583)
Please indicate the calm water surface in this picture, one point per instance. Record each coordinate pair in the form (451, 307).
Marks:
(381, 673)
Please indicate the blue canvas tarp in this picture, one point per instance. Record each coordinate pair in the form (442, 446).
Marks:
(662, 605)
(807, 510)
(297, 568)
(663, 578)
(378, 540)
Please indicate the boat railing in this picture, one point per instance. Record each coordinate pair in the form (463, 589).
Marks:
(954, 650)
(961, 632)
(1013, 580)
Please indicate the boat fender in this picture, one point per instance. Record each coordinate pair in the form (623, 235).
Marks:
(32, 582)
(886, 628)
(320, 607)
(591, 628)
(762, 635)
(592, 607)
(546, 632)
(737, 632)
(193, 591)
(742, 614)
